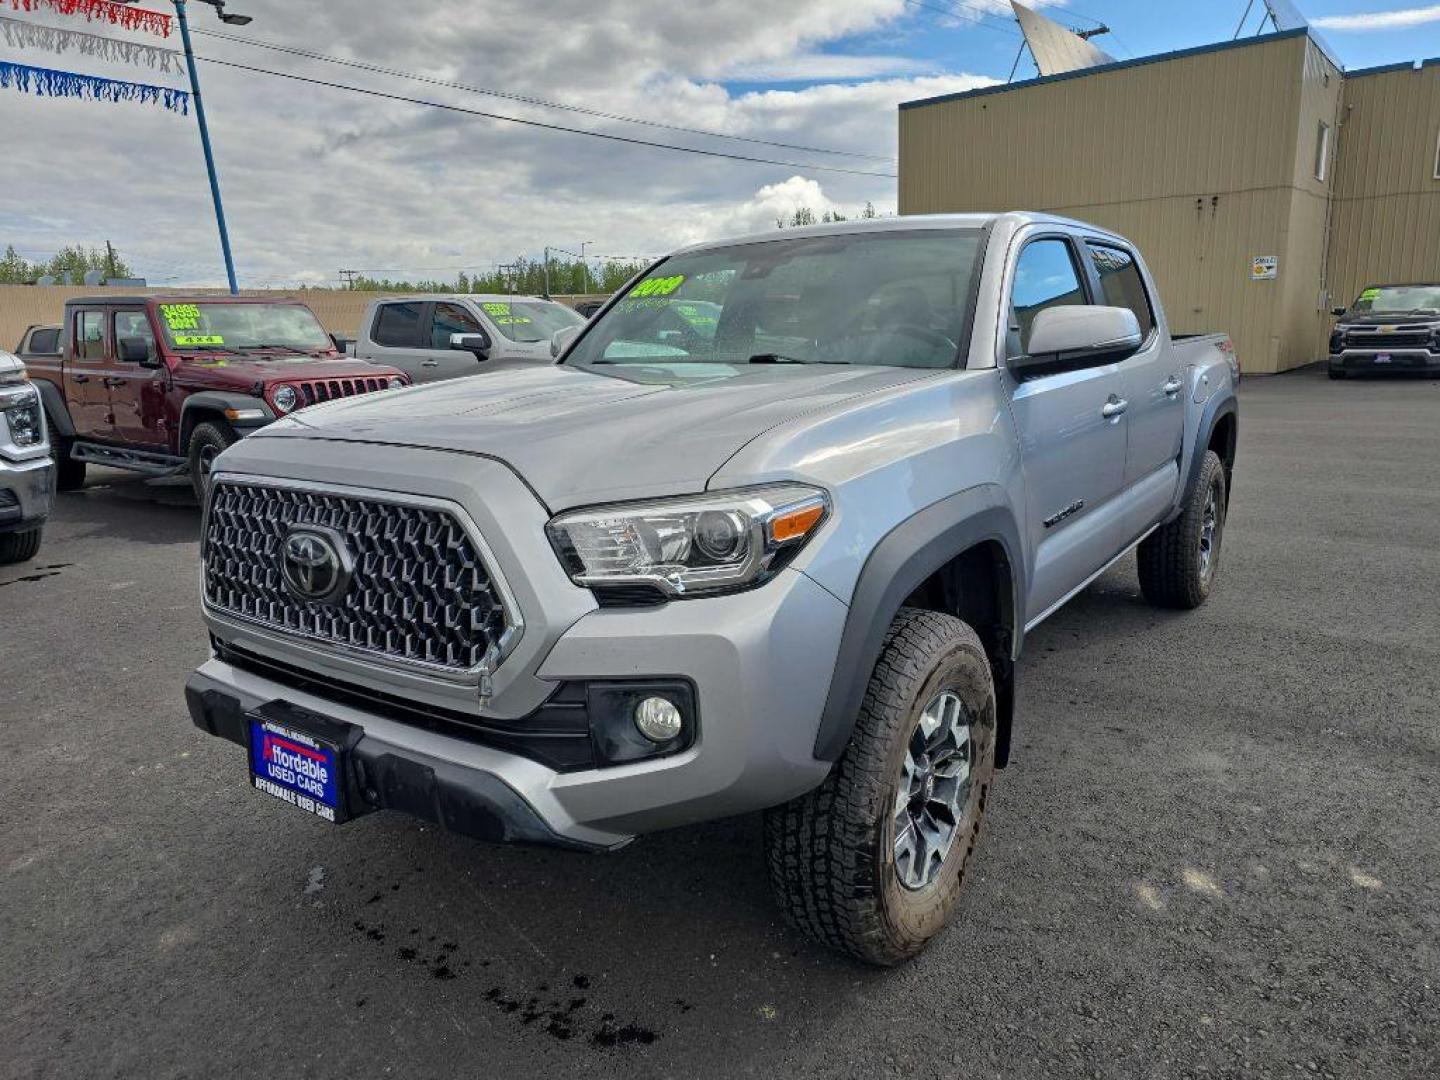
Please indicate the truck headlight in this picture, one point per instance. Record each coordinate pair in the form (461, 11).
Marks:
(690, 546)
(23, 415)
(286, 398)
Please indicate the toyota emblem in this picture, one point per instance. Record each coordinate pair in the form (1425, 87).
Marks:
(315, 563)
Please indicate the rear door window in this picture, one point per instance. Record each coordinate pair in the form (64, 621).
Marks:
(90, 335)
(1121, 284)
(398, 325)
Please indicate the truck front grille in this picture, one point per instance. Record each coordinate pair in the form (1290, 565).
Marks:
(419, 591)
(317, 390)
(1403, 339)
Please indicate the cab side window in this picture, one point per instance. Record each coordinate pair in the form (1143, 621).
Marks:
(398, 325)
(134, 324)
(90, 335)
(1045, 277)
(451, 319)
(1121, 284)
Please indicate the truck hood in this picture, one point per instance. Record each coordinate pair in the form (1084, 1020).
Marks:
(577, 436)
(236, 369)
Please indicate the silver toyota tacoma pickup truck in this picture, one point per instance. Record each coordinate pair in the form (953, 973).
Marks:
(781, 558)
(27, 477)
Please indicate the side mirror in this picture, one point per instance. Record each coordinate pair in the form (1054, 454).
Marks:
(1337, 311)
(136, 350)
(1078, 334)
(561, 339)
(479, 344)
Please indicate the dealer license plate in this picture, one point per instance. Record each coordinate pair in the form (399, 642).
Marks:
(1382, 358)
(296, 767)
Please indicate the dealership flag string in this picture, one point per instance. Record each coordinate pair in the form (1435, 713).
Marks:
(24, 35)
(121, 15)
(45, 82)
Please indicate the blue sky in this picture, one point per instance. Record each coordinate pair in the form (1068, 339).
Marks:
(926, 40)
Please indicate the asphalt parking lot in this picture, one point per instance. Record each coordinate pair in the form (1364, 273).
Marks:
(1217, 852)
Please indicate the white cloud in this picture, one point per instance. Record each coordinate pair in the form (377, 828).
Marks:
(1379, 20)
(316, 179)
(807, 67)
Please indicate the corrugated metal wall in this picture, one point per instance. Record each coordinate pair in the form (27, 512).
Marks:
(1206, 160)
(1386, 223)
(22, 306)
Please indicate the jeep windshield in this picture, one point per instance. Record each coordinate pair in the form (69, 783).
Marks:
(894, 299)
(242, 326)
(1398, 300)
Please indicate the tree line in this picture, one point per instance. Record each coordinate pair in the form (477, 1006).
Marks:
(75, 260)
(523, 276)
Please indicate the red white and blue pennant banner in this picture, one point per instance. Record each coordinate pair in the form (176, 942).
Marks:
(121, 15)
(19, 34)
(45, 82)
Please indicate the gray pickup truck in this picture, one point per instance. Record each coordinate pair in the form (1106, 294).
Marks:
(27, 479)
(431, 338)
(784, 561)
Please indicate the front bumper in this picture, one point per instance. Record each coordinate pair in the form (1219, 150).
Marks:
(1372, 360)
(760, 663)
(27, 492)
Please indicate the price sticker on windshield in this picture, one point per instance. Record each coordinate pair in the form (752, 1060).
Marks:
(502, 315)
(1370, 294)
(180, 317)
(198, 339)
(660, 286)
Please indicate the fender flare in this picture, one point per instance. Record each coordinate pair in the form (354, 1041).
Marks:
(217, 401)
(55, 409)
(1219, 405)
(899, 563)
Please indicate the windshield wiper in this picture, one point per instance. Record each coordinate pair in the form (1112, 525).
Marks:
(777, 358)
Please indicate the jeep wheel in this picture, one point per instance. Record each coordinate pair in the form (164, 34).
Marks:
(872, 862)
(207, 442)
(1178, 562)
(19, 546)
(69, 474)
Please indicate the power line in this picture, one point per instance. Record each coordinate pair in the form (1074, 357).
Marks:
(529, 100)
(609, 137)
(956, 11)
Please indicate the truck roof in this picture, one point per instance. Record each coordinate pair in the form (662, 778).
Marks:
(184, 298)
(897, 224)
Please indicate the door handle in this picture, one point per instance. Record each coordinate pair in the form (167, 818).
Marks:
(1172, 386)
(80, 378)
(113, 382)
(1114, 408)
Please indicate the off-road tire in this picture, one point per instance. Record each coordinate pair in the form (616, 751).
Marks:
(1171, 563)
(206, 441)
(19, 546)
(831, 852)
(69, 475)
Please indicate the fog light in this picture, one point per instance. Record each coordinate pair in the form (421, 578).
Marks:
(658, 719)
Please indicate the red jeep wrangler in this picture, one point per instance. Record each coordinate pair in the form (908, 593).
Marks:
(162, 384)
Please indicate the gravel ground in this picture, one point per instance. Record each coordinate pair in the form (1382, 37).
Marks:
(1216, 853)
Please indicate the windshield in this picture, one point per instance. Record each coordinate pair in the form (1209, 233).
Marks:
(897, 299)
(242, 326)
(530, 320)
(1398, 300)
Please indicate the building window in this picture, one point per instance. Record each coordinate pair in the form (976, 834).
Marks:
(1322, 150)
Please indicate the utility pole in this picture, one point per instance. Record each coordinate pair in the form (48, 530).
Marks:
(232, 20)
(109, 261)
(348, 277)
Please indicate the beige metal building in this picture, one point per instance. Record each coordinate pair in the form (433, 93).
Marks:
(1259, 179)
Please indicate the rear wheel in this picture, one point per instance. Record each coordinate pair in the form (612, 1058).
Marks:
(69, 475)
(1178, 561)
(207, 442)
(872, 862)
(19, 546)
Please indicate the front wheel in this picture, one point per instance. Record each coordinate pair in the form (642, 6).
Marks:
(207, 442)
(872, 861)
(20, 546)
